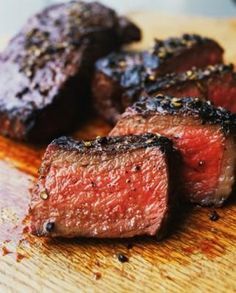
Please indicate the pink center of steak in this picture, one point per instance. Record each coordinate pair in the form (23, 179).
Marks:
(202, 147)
(105, 196)
(188, 90)
(223, 93)
(221, 90)
(202, 151)
(198, 57)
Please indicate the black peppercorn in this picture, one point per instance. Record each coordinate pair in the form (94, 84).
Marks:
(101, 140)
(137, 168)
(50, 227)
(122, 258)
(214, 216)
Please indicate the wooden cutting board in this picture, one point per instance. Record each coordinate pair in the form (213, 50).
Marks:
(200, 256)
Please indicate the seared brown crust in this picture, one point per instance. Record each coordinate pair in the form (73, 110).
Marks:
(127, 30)
(113, 75)
(154, 85)
(45, 70)
(116, 65)
(194, 107)
(175, 46)
(116, 144)
(121, 77)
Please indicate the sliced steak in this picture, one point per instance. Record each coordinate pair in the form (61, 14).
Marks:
(109, 187)
(216, 83)
(45, 69)
(205, 136)
(120, 77)
(110, 98)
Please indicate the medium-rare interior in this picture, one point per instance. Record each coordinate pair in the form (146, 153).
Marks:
(216, 83)
(204, 134)
(120, 77)
(46, 68)
(108, 187)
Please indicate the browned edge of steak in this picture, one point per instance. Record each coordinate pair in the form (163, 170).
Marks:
(216, 83)
(180, 54)
(128, 31)
(45, 70)
(187, 106)
(107, 88)
(149, 113)
(120, 77)
(194, 80)
(103, 145)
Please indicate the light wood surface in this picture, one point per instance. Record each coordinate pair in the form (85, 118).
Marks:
(199, 256)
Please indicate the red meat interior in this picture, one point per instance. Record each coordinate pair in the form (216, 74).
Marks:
(202, 148)
(198, 57)
(188, 90)
(220, 90)
(223, 93)
(105, 195)
(202, 151)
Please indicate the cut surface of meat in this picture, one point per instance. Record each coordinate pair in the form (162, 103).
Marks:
(204, 135)
(120, 77)
(216, 83)
(109, 187)
(46, 68)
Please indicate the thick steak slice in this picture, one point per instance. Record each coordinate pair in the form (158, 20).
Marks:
(216, 83)
(109, 86)
(120, 77)
(109, 187)
(204, 135)
(45, 70)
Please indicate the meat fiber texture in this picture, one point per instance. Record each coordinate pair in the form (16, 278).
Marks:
(46, 68)
(109, 187)
(216, 83)
(204, 134)
(120, 77)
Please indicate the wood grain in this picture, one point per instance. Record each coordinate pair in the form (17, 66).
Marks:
(200, 256)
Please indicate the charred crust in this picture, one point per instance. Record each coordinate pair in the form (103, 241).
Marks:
(204, 110)
(155, 84)
(116, 144)
(127, 30)
(136, 66)
(119, 63)
(173, 46)
(75, 21)
(53, 45)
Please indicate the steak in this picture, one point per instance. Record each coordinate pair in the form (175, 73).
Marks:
(216, 83)
(45, 69)
(109, 187)
(120, 77)
(204, 134)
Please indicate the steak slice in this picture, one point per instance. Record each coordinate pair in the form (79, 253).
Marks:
(120, 77)
(110, 95)
(45, 69)
(216, 83)
(109, 187)
(204, 135)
